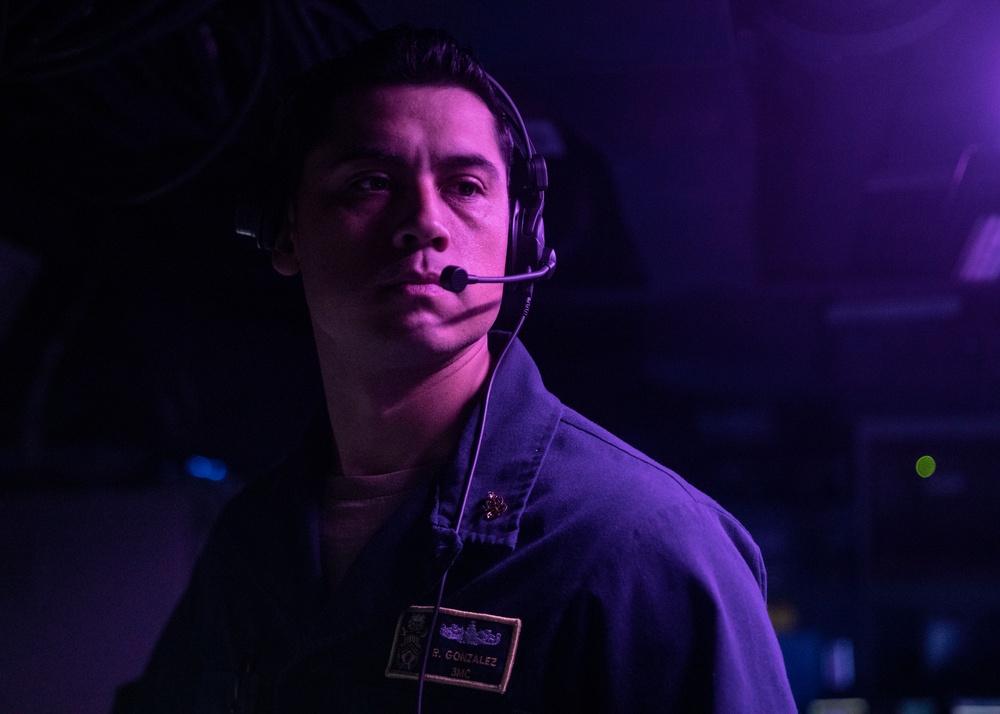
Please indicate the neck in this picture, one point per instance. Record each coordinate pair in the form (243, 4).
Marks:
(387, 419)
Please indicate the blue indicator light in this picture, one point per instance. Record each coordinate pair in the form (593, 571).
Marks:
(206, 468)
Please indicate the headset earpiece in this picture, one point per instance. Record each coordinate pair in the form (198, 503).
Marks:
(529, 180)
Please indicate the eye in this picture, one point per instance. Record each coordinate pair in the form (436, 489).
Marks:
(371, 184)
(466, 188)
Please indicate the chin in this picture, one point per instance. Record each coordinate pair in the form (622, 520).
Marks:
(438, 341)
(421, 339)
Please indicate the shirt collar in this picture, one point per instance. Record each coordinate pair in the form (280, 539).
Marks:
(521, 421)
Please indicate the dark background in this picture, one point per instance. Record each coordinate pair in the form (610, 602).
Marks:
(762, 210)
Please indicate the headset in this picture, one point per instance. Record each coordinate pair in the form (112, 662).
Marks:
(528, 258)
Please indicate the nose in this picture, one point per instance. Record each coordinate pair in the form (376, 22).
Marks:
(423, 225)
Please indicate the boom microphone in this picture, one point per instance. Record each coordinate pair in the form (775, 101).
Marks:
(455, 279)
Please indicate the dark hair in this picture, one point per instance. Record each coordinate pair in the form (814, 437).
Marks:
(400, 56)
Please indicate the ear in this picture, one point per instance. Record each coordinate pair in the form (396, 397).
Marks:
(283, 256)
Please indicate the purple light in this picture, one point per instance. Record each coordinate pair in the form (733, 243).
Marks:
(980, 261)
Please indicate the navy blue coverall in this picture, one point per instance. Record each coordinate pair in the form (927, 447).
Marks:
(609, 584)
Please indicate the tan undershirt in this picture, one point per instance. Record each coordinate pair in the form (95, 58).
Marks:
(354, 508)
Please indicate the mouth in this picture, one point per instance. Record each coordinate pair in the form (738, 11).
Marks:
(412, 281)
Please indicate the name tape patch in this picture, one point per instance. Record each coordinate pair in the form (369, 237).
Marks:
(468, 649)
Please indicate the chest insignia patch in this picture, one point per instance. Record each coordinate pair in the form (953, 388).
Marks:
(468, 649)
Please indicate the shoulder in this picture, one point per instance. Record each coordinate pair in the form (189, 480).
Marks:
(590, 461)
(662, 585)
(600, 485)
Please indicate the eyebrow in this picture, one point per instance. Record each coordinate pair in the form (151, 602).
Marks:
(479, 161)
(452, 161)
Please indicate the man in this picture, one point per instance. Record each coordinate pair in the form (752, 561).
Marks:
(452, 538)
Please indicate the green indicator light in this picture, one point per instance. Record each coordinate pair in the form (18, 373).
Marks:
(925, 466)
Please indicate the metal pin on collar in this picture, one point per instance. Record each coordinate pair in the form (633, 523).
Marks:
(493, 506)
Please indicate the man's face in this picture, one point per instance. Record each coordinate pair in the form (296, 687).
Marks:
(410, 181)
